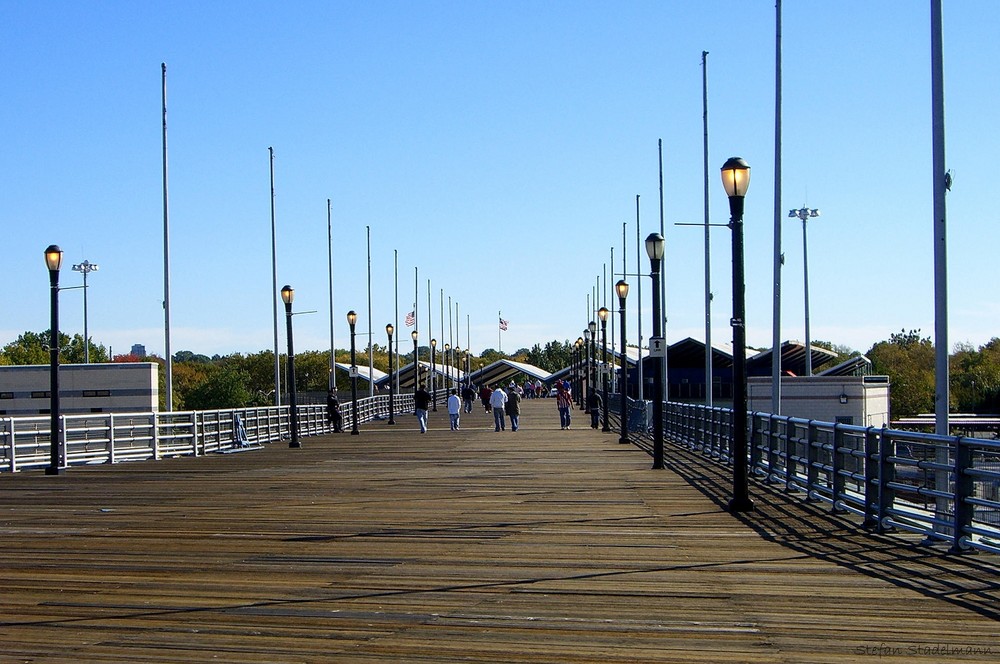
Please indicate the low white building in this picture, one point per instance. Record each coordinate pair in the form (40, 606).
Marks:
(857, 400)
(83, 388)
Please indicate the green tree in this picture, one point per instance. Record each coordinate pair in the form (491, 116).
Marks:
(30, 348)
(33, 348)
(226, 387)
(908, 360)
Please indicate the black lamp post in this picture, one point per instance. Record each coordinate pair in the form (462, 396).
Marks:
(434, 389)
(352, 319)
(416, 366)
(736, 180)
(389, 329)
(288, 296)
(602, 313)
(585, 365)
(654, 249)
(622, 289)
(53, 260)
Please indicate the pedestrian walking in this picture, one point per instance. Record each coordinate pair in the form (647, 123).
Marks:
(594, 405)
(513, 409)
(498, 399)
(484, 396)
(468, 397)
(421, 400)
(454, 409)
(564, 402)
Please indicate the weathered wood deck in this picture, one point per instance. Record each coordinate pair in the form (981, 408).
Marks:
(473, 546)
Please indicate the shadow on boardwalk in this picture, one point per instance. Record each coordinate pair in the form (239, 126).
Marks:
(969, 580)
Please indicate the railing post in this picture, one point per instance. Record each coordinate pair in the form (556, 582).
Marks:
(156, 436)
(837, 462)
(871, 479)
(964, 487)
(812, 460)
(790, 454)
(886, 474)
(10, 426)
(773, 441)
(111, 438)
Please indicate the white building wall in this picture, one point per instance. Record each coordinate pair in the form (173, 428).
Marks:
(83, 388)
(858, 400)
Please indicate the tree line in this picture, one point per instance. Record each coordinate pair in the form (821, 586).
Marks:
(244, 380)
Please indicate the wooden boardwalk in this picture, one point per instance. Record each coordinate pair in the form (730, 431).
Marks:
(473, 546)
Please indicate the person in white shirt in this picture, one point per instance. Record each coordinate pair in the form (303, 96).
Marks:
(497, 402)
(454, 408)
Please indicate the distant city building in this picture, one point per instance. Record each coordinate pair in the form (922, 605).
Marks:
(138, 350)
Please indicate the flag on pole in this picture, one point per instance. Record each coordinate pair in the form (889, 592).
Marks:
(503, 325)
(411, 319)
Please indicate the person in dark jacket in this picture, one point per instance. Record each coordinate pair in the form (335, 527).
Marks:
(594, 403)
(333, 412)
(421, 400)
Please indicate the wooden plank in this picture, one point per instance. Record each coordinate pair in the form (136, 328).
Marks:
(536, 546)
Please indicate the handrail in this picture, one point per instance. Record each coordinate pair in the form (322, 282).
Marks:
(96, 438)
(946, 488)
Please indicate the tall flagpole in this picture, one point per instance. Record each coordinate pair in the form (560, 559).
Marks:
(274, 288)
(395, 323)
(169, 396)
(776, 321)
(638, 262)
(664, 375)
(332, 383)
(941, 183)
(499, 335)
(708, 236)
(371, 356)
(416, 328)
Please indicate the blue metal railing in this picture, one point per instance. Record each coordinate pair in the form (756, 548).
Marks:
(943, 487)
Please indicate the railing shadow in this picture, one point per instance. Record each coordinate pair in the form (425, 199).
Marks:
(971, 581)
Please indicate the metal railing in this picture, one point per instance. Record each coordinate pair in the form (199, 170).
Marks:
(944, 487)
(25, 442)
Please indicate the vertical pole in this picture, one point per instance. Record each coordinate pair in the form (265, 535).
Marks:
(741, 495)
(605, 427)
(292, 405)
(638, 262)
(662, 299)
(658, 377)
(168, 355)
(805, 286)
(371, 356)
(708, 242)
(940, 178)
(274, 287)
(332, 381)
(86, 334)
(623, 407)
(55, 434)
(776, 269)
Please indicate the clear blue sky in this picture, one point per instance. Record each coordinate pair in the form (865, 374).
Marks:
(498, 147)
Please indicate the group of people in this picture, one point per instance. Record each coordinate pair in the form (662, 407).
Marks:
(503, 404)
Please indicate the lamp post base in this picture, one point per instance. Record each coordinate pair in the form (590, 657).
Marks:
(54, 471)
(741, 504)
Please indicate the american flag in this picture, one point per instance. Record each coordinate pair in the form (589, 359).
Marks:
(411, 319)
(503, 325)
